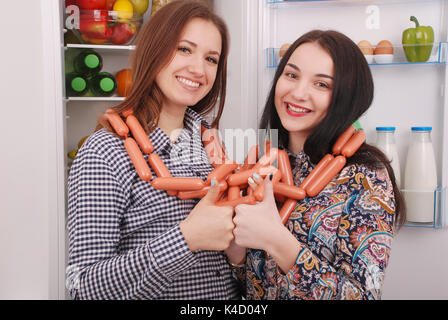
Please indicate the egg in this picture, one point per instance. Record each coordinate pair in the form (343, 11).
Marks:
(283, 49)
(384, 47)
(366, 47)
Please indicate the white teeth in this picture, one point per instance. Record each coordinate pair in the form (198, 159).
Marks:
(301, 110)
(188, 82)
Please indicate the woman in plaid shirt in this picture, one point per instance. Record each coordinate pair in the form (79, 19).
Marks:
(126, 239)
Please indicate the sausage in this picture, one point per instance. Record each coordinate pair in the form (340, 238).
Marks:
(117, 123)
(233, 193)
(259, 191)
(250, 199)
(285, 167)
(160, 169)
(201, 193)
(354, 143)
(221, 171)
(240, 177)
(178, 183)
(213, 146)
(139, 134)
(140, 164)
(251, 158)
(268, 158)
(316, 171)
(325, 176)
(292, 192)
(342, 140)
(286, 210)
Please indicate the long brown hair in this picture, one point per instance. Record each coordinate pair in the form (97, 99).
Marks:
(352, 97)
(155, 47)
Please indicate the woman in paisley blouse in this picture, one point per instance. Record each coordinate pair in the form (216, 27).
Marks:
(337, 244)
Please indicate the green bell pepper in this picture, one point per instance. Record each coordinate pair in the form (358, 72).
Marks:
(417, 42)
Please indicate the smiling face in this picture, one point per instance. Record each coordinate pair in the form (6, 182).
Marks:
(303, 91)
(191, 73)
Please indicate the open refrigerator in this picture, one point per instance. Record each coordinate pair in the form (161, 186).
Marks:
(405, 94)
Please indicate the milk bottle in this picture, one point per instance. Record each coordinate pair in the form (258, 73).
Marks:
(420, 177)
(385, 141)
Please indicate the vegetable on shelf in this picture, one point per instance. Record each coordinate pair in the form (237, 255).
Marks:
(418, 42)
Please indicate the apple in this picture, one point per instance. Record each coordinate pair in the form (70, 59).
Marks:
(92, 4)
(93, 25)
(110, 5)
(122, 32)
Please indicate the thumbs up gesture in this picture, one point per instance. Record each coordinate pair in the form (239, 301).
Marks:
(208, 227)
(256, 225)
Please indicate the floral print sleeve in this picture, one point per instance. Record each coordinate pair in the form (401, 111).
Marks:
(346, 234)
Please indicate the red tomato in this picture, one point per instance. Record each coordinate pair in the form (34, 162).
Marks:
(92, 4)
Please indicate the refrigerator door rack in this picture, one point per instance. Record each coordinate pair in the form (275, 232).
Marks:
(438, 56)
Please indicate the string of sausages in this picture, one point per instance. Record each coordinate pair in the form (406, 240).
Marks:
(231, 177)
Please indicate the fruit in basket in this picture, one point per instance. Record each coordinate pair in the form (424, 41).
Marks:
(140, 6)
(122, 32)
(93, 24)
(124, 82)
(124, 9)
(91, 4)
(110, 4)
(92, 40)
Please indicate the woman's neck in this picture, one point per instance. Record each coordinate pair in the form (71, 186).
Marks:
(296, 141)
(171, 121)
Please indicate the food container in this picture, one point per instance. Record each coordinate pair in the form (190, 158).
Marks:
(383, 58)
(369, 58)
(107, 27)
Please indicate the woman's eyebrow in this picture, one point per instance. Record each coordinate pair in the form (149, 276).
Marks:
(323, 75)
(194, 45)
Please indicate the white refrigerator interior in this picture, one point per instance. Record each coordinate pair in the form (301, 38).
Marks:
(406, 95)
(44, 126)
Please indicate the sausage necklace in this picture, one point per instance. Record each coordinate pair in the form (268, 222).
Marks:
(230, 176)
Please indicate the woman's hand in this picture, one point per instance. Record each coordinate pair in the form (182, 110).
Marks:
(208, 227)
(256, 225)
(259, 227)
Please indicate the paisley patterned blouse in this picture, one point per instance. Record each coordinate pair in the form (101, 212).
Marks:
(346, 232)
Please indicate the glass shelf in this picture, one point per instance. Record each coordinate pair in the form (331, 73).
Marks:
(285, 3)
(438, 56)
(438, 196)
(95, 99)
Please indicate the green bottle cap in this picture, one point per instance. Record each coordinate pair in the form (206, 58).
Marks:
(357, 125)
(107, 84)
(78, 84)
(92, 61)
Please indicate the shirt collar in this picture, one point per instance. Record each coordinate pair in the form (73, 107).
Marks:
(192, 127)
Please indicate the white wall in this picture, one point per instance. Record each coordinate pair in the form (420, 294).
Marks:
(27, 168)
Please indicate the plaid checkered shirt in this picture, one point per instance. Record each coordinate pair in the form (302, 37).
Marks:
(124, 236)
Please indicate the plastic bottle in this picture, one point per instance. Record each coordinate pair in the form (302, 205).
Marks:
(103, 84)
(420, 177)
(385, 141)
(88, 62)
(76, 84)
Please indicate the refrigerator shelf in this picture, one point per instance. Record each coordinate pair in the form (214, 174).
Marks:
(313, 3)
(124, 50)
(438, 56)
(440, 195)
(95, 99)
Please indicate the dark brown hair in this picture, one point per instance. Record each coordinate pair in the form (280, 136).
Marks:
(155, 46)
(352, 96)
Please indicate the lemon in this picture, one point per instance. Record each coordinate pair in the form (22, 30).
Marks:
(72, 154)
(125, 10)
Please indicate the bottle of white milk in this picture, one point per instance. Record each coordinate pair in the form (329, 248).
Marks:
(385, 141)
(420, 177)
